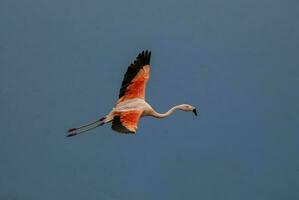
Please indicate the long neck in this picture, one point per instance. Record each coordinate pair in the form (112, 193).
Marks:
(169, 112)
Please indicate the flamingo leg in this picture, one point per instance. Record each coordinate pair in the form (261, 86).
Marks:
(84, 128)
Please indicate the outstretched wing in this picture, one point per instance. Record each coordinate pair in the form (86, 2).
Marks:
(126, 122)
(134, 82)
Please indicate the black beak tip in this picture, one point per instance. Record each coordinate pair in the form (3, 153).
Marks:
(195, 112)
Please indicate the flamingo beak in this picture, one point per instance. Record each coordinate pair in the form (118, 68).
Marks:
(194, 111)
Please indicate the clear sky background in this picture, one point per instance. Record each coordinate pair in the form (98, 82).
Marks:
(62, 63)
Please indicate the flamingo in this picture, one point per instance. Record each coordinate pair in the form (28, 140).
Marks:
(131, 105)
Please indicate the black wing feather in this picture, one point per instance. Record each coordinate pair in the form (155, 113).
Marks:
(117, 126)
(142, 59)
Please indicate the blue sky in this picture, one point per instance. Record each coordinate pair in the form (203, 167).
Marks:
(62, 63)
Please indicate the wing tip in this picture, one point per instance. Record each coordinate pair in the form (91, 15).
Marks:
(144, 57)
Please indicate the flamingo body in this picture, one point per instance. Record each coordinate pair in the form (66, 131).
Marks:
(131, 105)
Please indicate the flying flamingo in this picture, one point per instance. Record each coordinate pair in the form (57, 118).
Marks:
(131, 105)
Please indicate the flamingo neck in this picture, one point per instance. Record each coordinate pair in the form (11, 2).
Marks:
(166, 114)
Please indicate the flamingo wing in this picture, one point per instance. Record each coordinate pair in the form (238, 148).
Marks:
(135, 79)
(126, 122)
